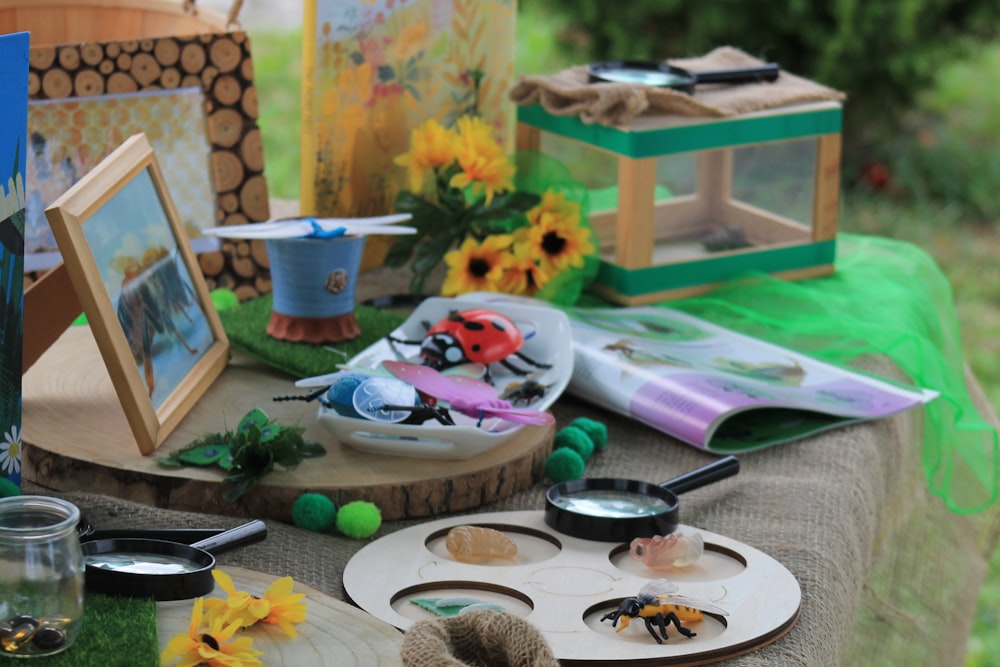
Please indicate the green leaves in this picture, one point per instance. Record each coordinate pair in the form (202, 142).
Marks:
(248, 453)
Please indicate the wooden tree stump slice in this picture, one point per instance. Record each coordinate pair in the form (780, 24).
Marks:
(228, 170)
(171, 78)
(42, 57)
(167, 52)
(211, 263)
(120, 82)
(69, 57)
(56, 83)
(34, 84)
(225, 54)
(123, 61)
(145, 70)
(88, 83)
(253, 196)
(106, 67)
(76, 438)
(193, 58)
(227, 89)
(334, 631)
(225, 127)
(250, 103)
(91, 54)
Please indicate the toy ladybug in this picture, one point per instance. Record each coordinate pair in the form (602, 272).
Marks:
(478, 336)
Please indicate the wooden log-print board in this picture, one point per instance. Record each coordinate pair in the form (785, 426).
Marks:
(221, 65)
(563, 585)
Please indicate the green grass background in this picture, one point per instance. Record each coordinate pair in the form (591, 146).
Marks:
(944, 197)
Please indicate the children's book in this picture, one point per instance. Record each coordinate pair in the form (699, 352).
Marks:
(13, 149)
(714, 388)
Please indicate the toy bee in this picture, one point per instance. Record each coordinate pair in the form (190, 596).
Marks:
(659, 605)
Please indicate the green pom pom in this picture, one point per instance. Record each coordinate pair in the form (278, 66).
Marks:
(314, 511)
(359, 519)
(597, 431)
(563, 465)
(224, 299)
(8, 488)
(576, 439)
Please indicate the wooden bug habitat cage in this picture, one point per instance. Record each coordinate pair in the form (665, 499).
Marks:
(681, 204)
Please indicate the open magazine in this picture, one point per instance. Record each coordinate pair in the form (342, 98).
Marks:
(714, 388)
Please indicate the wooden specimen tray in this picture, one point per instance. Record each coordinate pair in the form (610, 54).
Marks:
(563, 585)
(334, 632)
(77, 439)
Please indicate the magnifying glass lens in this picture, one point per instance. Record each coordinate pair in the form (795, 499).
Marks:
(141, 563)
(612, 504)
(648, 77)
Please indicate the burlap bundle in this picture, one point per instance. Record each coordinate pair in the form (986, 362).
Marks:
(570, 93)
(476, 639)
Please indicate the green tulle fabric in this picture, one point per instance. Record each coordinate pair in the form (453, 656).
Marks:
(889, 298)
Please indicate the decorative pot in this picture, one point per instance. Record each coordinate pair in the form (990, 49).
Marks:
(313, 283)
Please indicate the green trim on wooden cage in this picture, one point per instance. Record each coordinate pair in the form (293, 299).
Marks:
(714, 133)
(636, 282)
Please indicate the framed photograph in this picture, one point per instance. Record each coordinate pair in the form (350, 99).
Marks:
(137, 278)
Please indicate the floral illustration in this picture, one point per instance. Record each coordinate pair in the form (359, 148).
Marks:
(382, 67)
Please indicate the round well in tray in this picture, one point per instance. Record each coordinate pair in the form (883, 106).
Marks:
(512, 601)
(706, 630)
(533, 546)
(715, 564)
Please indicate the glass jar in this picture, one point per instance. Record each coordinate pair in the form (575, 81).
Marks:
(41, 575)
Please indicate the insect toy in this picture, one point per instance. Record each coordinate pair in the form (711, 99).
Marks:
(658, 604)
(466, 395)
(476, 335)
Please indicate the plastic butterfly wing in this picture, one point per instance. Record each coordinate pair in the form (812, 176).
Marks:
(469, 396)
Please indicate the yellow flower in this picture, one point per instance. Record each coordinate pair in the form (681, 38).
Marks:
(560, 240)
(476, 267)
(524, 275)
(430, 148)
(484, 165)
(208, 646)
(279, 606)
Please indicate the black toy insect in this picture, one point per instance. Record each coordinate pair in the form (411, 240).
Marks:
(659, 606)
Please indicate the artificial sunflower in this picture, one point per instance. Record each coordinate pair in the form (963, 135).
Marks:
(430, 149)
(484, 166)
(525, 276)
(561, 242)
(477, 267)
(278, 606)
(213, 645)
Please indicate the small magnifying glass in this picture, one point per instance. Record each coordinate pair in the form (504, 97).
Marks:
(661, 75)
(609, 509)
(160, 569)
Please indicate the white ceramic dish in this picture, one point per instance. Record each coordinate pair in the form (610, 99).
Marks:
(546, 333)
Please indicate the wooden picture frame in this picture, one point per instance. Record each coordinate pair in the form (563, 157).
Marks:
(67, 80)
(139, 284)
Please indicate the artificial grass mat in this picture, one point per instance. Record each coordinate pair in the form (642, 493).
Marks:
(116, 632)
(246, 327)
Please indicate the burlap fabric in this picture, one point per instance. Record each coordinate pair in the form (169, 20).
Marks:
(570, 93)
(888, 575)
(476, 639)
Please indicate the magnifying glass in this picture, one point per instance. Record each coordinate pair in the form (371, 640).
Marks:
(160, 569)
(610, 509)
(661, 75)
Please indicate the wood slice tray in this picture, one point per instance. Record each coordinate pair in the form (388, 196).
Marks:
(77, 439)
(563, 585)
(334, 632)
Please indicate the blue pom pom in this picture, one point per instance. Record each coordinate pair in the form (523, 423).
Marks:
(340, 395)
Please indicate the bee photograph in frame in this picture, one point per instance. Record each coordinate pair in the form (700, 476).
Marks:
(140, 286)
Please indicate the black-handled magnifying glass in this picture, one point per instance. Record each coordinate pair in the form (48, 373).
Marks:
(661, 75)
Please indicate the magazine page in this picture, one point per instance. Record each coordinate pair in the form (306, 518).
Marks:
(712, 387)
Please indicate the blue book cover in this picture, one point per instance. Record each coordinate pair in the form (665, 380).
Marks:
(13, 145)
